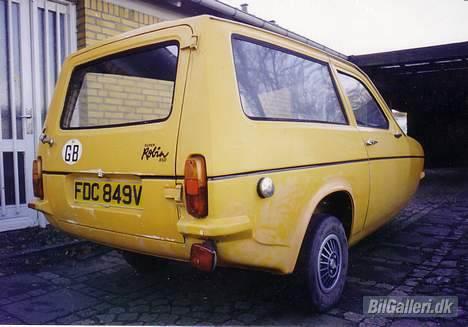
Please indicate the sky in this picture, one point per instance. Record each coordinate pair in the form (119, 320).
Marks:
(368, 26)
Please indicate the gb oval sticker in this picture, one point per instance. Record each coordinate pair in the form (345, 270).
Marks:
(71, 151)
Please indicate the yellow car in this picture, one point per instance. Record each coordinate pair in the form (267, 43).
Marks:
(214, 142)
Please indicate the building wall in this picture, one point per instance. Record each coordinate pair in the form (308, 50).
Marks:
(444, 137)
(98, 19)
(438, 116)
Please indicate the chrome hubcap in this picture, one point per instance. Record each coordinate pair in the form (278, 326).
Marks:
(329, 262)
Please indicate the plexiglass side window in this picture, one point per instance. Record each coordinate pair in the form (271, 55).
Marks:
(365, 108)
(275, 84)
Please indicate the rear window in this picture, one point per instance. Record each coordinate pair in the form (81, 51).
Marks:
(128, 88)
(276, 84)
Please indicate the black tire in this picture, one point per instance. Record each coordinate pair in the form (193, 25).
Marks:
(326, 237)
(143, 263)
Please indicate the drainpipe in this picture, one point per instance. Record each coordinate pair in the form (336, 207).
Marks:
(244, 17)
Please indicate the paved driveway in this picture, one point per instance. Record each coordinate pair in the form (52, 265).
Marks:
(424, 251)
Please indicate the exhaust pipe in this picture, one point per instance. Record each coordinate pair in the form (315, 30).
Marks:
(203, 256)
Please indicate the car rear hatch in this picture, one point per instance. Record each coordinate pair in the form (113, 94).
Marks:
(114, 123)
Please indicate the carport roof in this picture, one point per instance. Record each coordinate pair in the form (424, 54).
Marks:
(452, 56)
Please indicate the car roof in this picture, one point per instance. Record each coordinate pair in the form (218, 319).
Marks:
(197, 20)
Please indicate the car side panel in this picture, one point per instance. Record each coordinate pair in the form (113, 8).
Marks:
(306, 160)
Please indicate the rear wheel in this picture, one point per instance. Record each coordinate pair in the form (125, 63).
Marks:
(325, 262)
(143, 263)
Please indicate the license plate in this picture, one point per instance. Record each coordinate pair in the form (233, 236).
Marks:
(120, 194)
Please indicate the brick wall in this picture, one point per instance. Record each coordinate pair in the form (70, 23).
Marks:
(98, 20)
(276, 103)
(112, 99)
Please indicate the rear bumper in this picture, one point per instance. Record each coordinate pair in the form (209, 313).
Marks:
(40, 205)
(214, 227)
(141, 244)
(235, 245)
(186, 226)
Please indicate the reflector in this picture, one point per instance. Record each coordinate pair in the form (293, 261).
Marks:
(203, 256)
(37, 178)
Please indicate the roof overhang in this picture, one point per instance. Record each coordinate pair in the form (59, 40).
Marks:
(444, 57)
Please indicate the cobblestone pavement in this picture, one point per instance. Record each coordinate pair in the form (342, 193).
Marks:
(424, 251)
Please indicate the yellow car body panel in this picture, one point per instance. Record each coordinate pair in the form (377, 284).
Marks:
(306, 161)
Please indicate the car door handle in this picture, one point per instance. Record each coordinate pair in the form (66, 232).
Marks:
(371, 142)
(27, 116)
(398, 135)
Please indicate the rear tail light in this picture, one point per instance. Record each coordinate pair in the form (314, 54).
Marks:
(196, 187)
(37, 178)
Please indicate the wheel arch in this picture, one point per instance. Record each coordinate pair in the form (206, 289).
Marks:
(327, 199)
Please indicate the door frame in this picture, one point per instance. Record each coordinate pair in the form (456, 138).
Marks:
(18, 216)
(69, 10)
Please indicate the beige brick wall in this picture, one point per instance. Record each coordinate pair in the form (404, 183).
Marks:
(114, 99)
(98, 20)
(277, 103)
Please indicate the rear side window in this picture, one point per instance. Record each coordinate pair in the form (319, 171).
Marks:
(128, 88)
(365, 108)
(278, 85)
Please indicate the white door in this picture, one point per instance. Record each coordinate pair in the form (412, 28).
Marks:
(54, 38)
(35, 36)
(17, 143)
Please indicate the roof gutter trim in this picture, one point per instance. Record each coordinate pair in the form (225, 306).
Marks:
(239, 15)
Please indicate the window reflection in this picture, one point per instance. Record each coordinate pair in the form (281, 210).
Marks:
(365, 108)
(279, 85)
